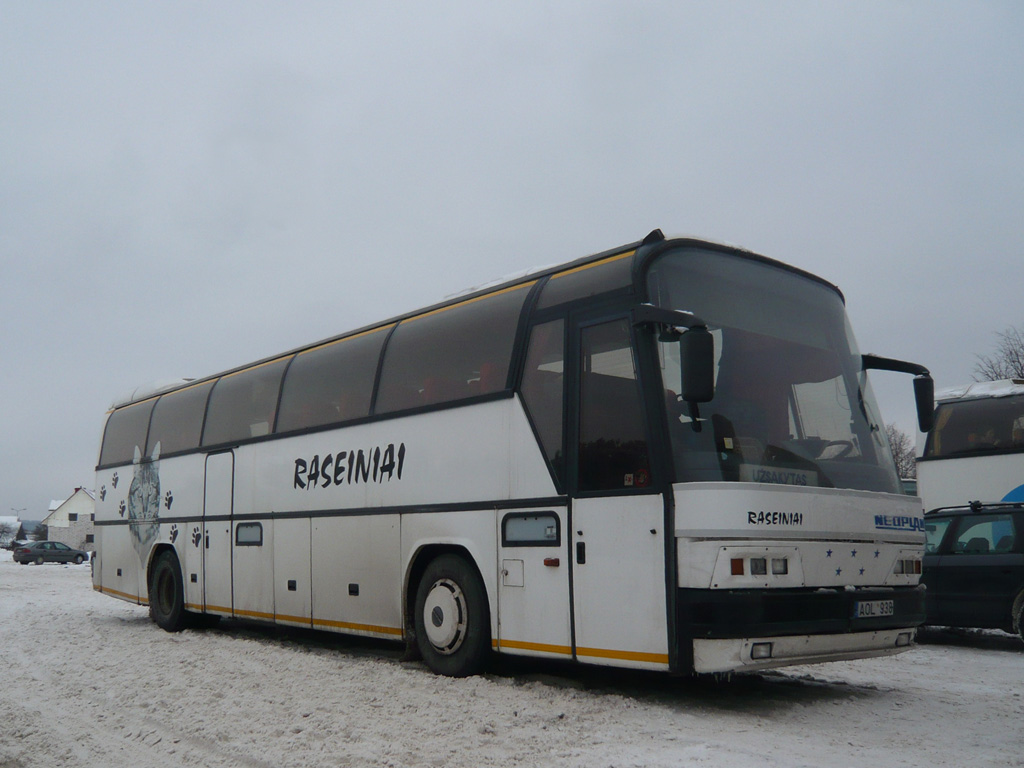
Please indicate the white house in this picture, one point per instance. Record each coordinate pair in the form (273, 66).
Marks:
(71, 521)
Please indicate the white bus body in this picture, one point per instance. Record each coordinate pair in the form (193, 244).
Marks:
(975, 450)
(514, 471)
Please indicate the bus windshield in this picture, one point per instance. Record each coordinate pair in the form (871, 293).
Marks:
(792, 403)
(973, 427)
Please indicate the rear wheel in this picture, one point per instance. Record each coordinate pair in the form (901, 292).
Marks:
(1018, 615)
(166, 593)
(39, 560)
(451, 617)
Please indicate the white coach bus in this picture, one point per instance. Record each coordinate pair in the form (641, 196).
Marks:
(664, 456)
(975, 450)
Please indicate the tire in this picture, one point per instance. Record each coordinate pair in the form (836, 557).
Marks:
(1018, 615)
(167, 594)
(451, 619)
(79, 559)
(39, 560)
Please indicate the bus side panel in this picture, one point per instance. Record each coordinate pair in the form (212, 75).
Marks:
(252, 568)
(533, 583)
(181, 510)
(956, 481)
(478, 453)
(118, 572)
(293, 590)
(356, 578)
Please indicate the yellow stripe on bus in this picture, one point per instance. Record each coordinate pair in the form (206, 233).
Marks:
(470, 301)
(118, 593)
(393, 631)
(562, 650)
(604, 653)
(597, 653)
(593, 264)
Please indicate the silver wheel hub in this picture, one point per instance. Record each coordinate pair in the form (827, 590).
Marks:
(445, 617)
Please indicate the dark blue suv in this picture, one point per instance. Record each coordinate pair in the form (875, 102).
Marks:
(974, 567)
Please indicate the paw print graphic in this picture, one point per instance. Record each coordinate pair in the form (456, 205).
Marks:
(168, 500)
(113, 480)
(174, 533)
(196, 536)
(103, 492)
(121, 509)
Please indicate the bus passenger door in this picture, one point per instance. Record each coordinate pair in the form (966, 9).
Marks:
(617, 531)
(533, 583)
(218, 502)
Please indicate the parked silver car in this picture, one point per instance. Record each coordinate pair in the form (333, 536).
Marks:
(40, 552)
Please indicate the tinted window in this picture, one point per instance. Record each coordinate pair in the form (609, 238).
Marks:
(242, 405)
(977, 426)
(542, 388)
(581, 282)
(126, 431)
(453, 353)
(985, 534)
(178, 420)
(613, 448)
(934, 531)
(331, 383)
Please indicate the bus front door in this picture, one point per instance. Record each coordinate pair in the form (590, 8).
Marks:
(218, 502)
(617, 526)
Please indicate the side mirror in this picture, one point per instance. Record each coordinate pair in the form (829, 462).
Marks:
(924, 395)
(697, 358)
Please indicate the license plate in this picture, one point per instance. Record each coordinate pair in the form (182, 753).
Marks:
(872, 609)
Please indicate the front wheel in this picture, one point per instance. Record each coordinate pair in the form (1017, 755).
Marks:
(79, 559)
(451, 617)
(166, 593)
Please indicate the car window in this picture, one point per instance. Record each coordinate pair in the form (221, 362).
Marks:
(58, 545)
(934, 531)
(985, 534)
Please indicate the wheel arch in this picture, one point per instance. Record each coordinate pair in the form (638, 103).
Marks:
(154, 554)
(414, 572)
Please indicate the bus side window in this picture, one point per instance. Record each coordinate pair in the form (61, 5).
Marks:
(331, 383)
(242, 405)
(125, 431)
(451, 354)
(613, 451)
(178, 420)
(543, 386)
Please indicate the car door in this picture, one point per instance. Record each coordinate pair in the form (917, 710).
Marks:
(982, 571)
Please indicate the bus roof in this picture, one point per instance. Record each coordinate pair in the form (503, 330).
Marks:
(980, 390)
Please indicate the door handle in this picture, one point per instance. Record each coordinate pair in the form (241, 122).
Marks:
(581, 552)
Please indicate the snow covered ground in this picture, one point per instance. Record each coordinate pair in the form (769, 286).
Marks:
(89, 681)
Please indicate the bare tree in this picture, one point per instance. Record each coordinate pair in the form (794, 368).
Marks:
(8, 531)
(902, 450)
(1008, 360)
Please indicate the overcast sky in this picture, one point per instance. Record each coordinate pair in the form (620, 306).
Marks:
(185, 187)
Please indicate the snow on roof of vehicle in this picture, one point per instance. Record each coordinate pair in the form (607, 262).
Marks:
(980, 389)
